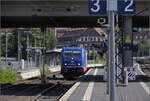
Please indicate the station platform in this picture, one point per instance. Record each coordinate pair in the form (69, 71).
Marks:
(91, 87)
(35, 71)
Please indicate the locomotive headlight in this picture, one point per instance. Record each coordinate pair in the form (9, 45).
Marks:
(79, 64)
(65, 64)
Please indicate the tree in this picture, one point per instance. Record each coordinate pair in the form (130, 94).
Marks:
(144, 47)
(13, 44)
(0, 48)
(13, 41)
(51, 40)
(36, 32)
(94, 56)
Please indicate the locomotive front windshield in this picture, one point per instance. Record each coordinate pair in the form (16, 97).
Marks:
(75, 53)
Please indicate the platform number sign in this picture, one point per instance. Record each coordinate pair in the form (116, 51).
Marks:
(126, 7)
(97, 7)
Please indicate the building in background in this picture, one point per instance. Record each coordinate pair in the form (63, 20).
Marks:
(90, 38)
(142, 40)
(142, 35)
(3, 30)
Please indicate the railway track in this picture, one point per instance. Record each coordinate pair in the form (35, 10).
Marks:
(146, 69)
(26, 81)
(55, 92)
(33, 90)
(58, 90)
(20, 83)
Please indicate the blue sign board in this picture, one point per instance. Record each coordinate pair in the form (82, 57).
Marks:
(100, 7)
(97, 7)
(126, 7)
(128, 46)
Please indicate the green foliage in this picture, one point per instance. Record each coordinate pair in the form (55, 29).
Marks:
(8, 75)
(93, 56)
(0, 47)
(46, 70)
(104, 56)
(97, 59)
(39, 41)
(144, 47)
(51, 40)
(103, 63)
(12, 44)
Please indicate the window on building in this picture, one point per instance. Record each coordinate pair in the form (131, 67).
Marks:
(94, 38)
(99, 39)
(85, 38)
(81, 39)
(91, 39)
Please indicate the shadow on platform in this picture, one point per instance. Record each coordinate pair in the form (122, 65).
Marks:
(91, 78)
(32, 90)
(141, 78)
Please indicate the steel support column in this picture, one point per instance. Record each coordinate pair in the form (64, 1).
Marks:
(127, 33)
(43, 76)
(119, 52)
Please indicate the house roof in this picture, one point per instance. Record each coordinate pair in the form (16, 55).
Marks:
(83, 32)
(74, 33)
(93, 32)
(60, 32)
(70, 35)
(4, 29)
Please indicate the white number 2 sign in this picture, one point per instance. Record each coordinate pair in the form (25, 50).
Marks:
(127, 8)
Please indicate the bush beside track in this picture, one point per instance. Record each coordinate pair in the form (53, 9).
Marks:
(8, 75)
(46, 70)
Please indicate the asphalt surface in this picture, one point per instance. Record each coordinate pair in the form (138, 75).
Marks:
(93, 88)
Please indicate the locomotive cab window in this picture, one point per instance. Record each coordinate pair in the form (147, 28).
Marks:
(67, 53)
(76, 53)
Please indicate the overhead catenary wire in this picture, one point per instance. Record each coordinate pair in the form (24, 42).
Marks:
(145, 9)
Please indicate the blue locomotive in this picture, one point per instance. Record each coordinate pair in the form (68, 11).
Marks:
(73, 61)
